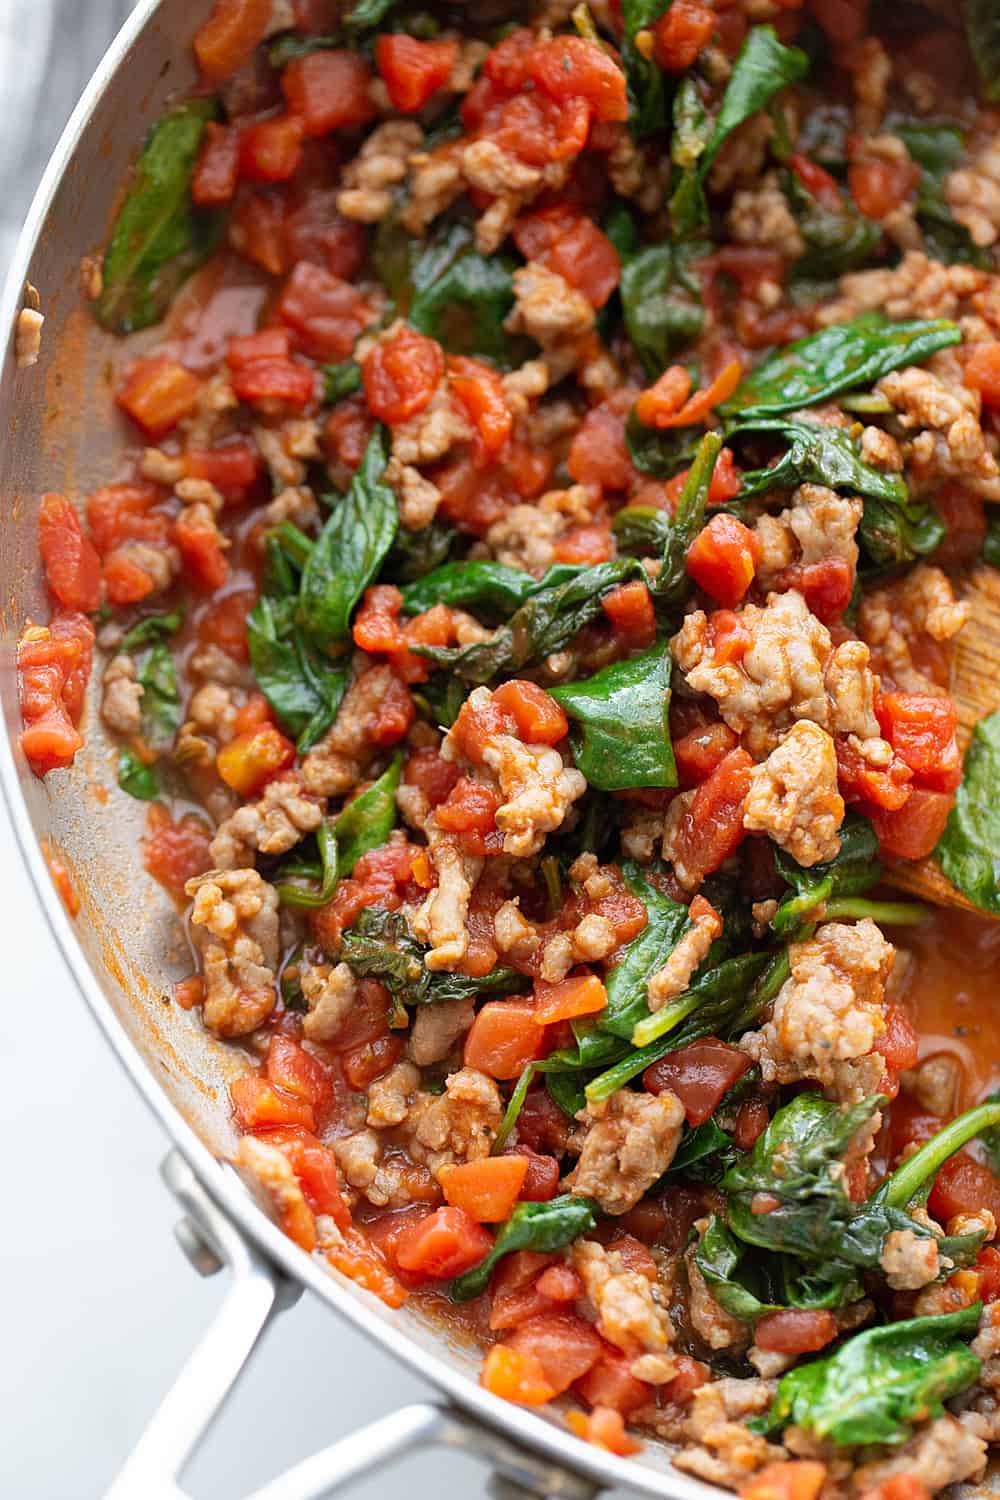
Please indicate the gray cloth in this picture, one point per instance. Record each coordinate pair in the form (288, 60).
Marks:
(48, 50)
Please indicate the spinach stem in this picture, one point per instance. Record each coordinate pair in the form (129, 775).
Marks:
(893, 913)
(514, 1105)
(902, 1185)
(651, 1028)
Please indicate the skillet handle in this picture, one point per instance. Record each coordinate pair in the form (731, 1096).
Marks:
(257, 1292)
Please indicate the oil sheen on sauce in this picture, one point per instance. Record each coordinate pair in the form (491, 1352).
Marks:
(951, 994)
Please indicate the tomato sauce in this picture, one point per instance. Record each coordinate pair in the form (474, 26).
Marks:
(951, 995)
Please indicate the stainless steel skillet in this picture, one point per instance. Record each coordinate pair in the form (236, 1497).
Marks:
(60, 431)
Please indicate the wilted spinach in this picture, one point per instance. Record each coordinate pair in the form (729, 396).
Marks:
(969, 849)
(879, 1383)
(379, 946)
(666, 923)
(816, 454)
(542, 1227)
(661, 302)
(642, 530)
(672, 584)
(492, 588)
(620, 723)
(938, 150)
(152, 628)
(341, 380)
(369, 818)
(982, 27)
(415, 553)
(461, 297)
(301, 683)
(854, 870)
(308, 880)
(836, 239)
(159, 237)
(137, 777)
(643, 76)
(161, 701)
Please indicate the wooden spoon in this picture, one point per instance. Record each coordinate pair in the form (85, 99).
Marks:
(976, 691)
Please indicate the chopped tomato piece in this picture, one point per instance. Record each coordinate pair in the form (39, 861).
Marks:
(469, 807)
(982, 372)
(257, 230)
(258, 1104)
(699, 1074)
(817, 181)
(401, 373)
(72, 566)
(157, 392)
(502, 1040)
(328, 90)
(899, 1487)
(963, 1186)
(711, 828)
(251, 759)
(629, 607)
(609, 1383)
(879, 187)
(175, 853)
(232, 467)
(486, 1190)
(722, 559)
(119, 513)
(538, 718)
(795, 1479)
(514, 1292)
(223, 623)
(213, 181)
(566, 1346)
(126, 581)
(316, 1168)
(658, 404)
(226, 41)
(699, 406)
(274, 382)
(568, 242)
(271, 150)
(681, 34)
(362, 1065)
(988, 1274)
(913, 831)
(443, 1245)
(53, 664)
(585, 544)
(316, 231)
(413, 71)
(751, 1122)
(293, 1069)
(480, 390)
(200, 546)
(572, 67)
(795, 1330)
(580, 995)
(921, 728)
(598, 454)
(605, 1428)
(899, 1043)
(432, 774)
(698, 752)
(542, 1177)
(516, 1377)
(326, 314)
(357, 1258)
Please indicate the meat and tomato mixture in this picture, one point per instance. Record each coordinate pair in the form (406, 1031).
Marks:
(528, 607)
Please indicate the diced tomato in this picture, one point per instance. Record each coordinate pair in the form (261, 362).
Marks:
(699, 1074)
(502, 1040)
(72, 566)
(514, 1291)
(226, 41)
(377, 880)
(316, 231)
(681, 34)
(566, 1346)
(722, 559)
(53, 665)
(795, 1331)
(251, 759)
(542, 1177)
(259, 1104)
(326, 314)
(263, 372)
(120, 513)
(126, 581)
(982, 372)
(912, 832)
(271, 150)
(988, 1274)
(401, 373)
(963, 1186)
(751, 1122)
(657, 404)
(725, 483)
(698, 752)
(233, 467)
(443, 1245)
(886, 787)
(538, 718)
(899, 1043)
(357, 1258)
(899, 1487)
(541, 1125)
(844, 21)
(729, 635)
(363, 1064)
(609, 1383)
(486, 1190)
(175, 853)
(598, 454)
(394, 715)
(568, 242)
(469, 807)
(223, 623)
(316, 1168)
(328, 90)
(515, 1377)
(433, 775)
(413, 71)
(480, 390)
(157, 392)
(921, 728)
(711, 828)
(201, 544)
(794, 1479)
(257, 230)
(879, 187)
(213, 181)
(629, 607)
(690, 1377)
(570, 67)
(294, 1070)
(585, 544)
(605, 1428)
(347, 431)
(580, 995)
(817, 181)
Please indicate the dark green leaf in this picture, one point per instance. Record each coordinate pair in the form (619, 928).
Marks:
(491, 588)
(641, 530)
(543, 1227)
(719, 1257)
(989, 1138)
(666, 923)
(660, 452)
(982, 26)
(661, 304)
(647, 110)
(305, 881)
(620, 723)
(137, 778)
(817, 455)
(341, 380)
(350, 549)
(292, 45)
(672, 584)
(461, 297)
(567, 1091)
(152, 628)
(159, 236)
(691, 134)
(161, 702)
(838, 359)
(380, 946)
(938, 150)
(854, 870)
(705, 1153)
(367, 821)
(301, 683)
(880, 1382)
(837, 239)
(366, 15)
(414, 553)
(969, 849)
(764, 66)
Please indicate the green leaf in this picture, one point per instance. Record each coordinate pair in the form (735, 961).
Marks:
(641, 530)
(918, 1170)
(672, 584)
(414, 553)
(854, 870)
(719, 1256)
(643, 76)
(461, 297)
(492, 588)
(982, 27)
(367, 821)
(546, 622)
(661, 303)
(365, 15)
(567, 1091)
(938, 150)
(349, 550)
(305, 881)
(837, 240)
(692, 129)
(380, 946)
(302, 684)
(837, 359)
(136, 777)
(764, 66)
(879, 1383)
(969, 849)
(620, 723)
(705, 1153)
(661, 452)
(152, 628)
(161, 701)
(159, 236)
(542, 1227)
(341, 380)
(666, 923)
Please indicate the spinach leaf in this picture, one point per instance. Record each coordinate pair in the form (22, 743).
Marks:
(837, 359)
(367, 821)
(159, 236)
(647, 111)
(705, 1153)
(672, 584)
(414, 553)
(938, 150)
(567, 1091)
(152, 628)
(854, 870)
(691, 133)
(816, 455)
(620, 723)
(666, 923)
(982, 27)
(989, 1138)
(365, 15)
(719, 1257)
(341, 380)
(306, 882)
(661, 452)
(161, 702)
(836, 239)
(349, 550)
(969, 849)
(912, 1178)
(532, 1226)
(546, 622)
(661, 302)
(492, 587)
(461, 297)
(379, 946)
(880, 1382)
(136, 777)
(893, 532)
(642, 530)
(301, 683)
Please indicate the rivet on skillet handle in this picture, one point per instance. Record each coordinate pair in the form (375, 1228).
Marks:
(257, 1292)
